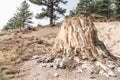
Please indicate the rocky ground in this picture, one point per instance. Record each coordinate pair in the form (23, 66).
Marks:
(20, 54)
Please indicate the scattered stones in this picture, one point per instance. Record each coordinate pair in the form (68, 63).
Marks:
(111, 65)
(39, 61)
(48, 60)
(58, 63)
(111, 73)
(84, 66)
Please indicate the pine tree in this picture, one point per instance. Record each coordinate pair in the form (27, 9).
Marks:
(85, 6)
(52, 7)
(117, 9)
(23, 15)
(10, 24)
(22, 18)
(104, 7)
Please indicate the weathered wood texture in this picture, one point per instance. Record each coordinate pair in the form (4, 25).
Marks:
(78, 37)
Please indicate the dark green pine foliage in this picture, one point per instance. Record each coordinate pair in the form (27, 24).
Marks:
(85, 6)
(104, 8)
(23, 15)
(117, 9)
(10, 24)
(21, 19)
(51, 9)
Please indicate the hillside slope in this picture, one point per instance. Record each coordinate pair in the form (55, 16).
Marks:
(22, 50)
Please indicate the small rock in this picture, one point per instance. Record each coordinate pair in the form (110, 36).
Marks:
(62, 65)
(57, 62)
(105, 74)
(101, 72)
(35, 57)
(118, 69)
(93, 78)
(111, 73)
(79, 70)
(55, 67)
(48, 60)
(50, 65)
(39, 61)
(85, 66)
(96, 71)
(43, 65)
(56, 75)
(111, 65)
(90, 71)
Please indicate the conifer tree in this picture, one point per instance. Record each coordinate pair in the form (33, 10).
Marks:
(85, 6)
(104, 8)
(21, 18)
(51, 9)
(23, 15)
(117, 9)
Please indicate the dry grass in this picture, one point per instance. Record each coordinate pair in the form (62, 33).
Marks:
(8, 56)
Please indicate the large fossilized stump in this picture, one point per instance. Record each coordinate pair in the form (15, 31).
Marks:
(78, 37)
(77, 46)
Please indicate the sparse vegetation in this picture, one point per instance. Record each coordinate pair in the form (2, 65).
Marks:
(21, 19)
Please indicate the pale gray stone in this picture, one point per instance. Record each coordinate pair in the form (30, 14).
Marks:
(35, 57)
(105, 74)
(43, 65)
(49, 65)
(118, 69)
(56, 75)
(79, 70)
(49, 59)
(101, 72)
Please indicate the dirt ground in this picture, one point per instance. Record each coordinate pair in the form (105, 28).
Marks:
(29, 69)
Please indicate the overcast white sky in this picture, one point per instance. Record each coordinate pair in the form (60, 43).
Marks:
(8, 8)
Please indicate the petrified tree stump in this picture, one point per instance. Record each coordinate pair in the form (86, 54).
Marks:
(77, 45)
(78, 37)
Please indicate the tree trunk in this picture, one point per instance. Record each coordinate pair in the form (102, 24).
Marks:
(51, 12)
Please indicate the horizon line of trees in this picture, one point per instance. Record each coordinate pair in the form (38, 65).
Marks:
(53, 10)
(107, 8)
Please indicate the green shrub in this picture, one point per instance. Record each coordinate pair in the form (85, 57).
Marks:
(1, 76)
